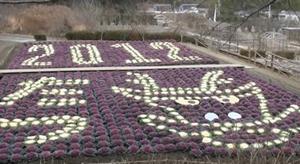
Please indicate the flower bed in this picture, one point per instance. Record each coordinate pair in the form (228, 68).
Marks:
(105, 53)
(199, 111)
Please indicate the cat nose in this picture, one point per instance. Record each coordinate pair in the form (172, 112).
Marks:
(211, 116)
(234, 115)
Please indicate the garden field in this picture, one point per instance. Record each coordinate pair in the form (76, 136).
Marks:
(199, 111)
(196, 111)
(105, 53)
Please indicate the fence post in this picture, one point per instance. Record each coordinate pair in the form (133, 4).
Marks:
(255, 55)
(272, 60)
(266, 59)
(181, 38)
(249, 53)
(229, 45)
(237, 44)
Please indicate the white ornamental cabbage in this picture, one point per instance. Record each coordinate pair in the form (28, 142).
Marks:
(138, 57)
(32, 61)
(94, 54)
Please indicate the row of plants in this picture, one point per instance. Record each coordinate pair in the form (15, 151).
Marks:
(204, 111)
(127, 35)
(105, 53)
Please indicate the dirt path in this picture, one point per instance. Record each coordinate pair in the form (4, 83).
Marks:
(16, 38)
(268, 75)
(20, 38)
(116, 68)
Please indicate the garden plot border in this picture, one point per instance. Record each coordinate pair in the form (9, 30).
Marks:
(76, 69)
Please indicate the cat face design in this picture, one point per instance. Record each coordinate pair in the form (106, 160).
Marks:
(152, 94)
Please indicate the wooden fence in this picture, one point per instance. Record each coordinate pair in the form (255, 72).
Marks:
(282, 65)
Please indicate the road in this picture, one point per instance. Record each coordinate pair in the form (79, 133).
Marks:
(5, 50)
(16, 38)
(19, 38)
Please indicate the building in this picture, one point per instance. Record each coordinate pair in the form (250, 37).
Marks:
(192, 8)
(160, 8)
(289, 16)
(187, 8)
(242, 13)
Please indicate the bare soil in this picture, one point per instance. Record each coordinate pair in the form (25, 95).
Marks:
(178, 158)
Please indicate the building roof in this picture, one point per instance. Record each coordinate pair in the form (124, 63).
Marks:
(291, 28)
(189, 4)
(289, 13)
(162, 4)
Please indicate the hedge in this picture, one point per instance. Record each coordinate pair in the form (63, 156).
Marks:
(83, 35)
(40, 37)
(126, 35)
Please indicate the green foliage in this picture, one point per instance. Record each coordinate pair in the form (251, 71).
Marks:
(126, 35)
(286, 54)
(83, 35)
(250, 54)
(160, 36)
(228, 7)
(116, 35)
(40, 37)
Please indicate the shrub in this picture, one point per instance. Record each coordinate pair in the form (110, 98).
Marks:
(83, 35)
(161, 36)
(116, 35)
(134, 35)
(285, 54)
(245, 53)
(188, 39)
(45, 19)
(39, 37)
(126, 35)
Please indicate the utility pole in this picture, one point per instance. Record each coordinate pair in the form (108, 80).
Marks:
(217, 10)
(215, 13)
(270, 12)
(219, 7)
